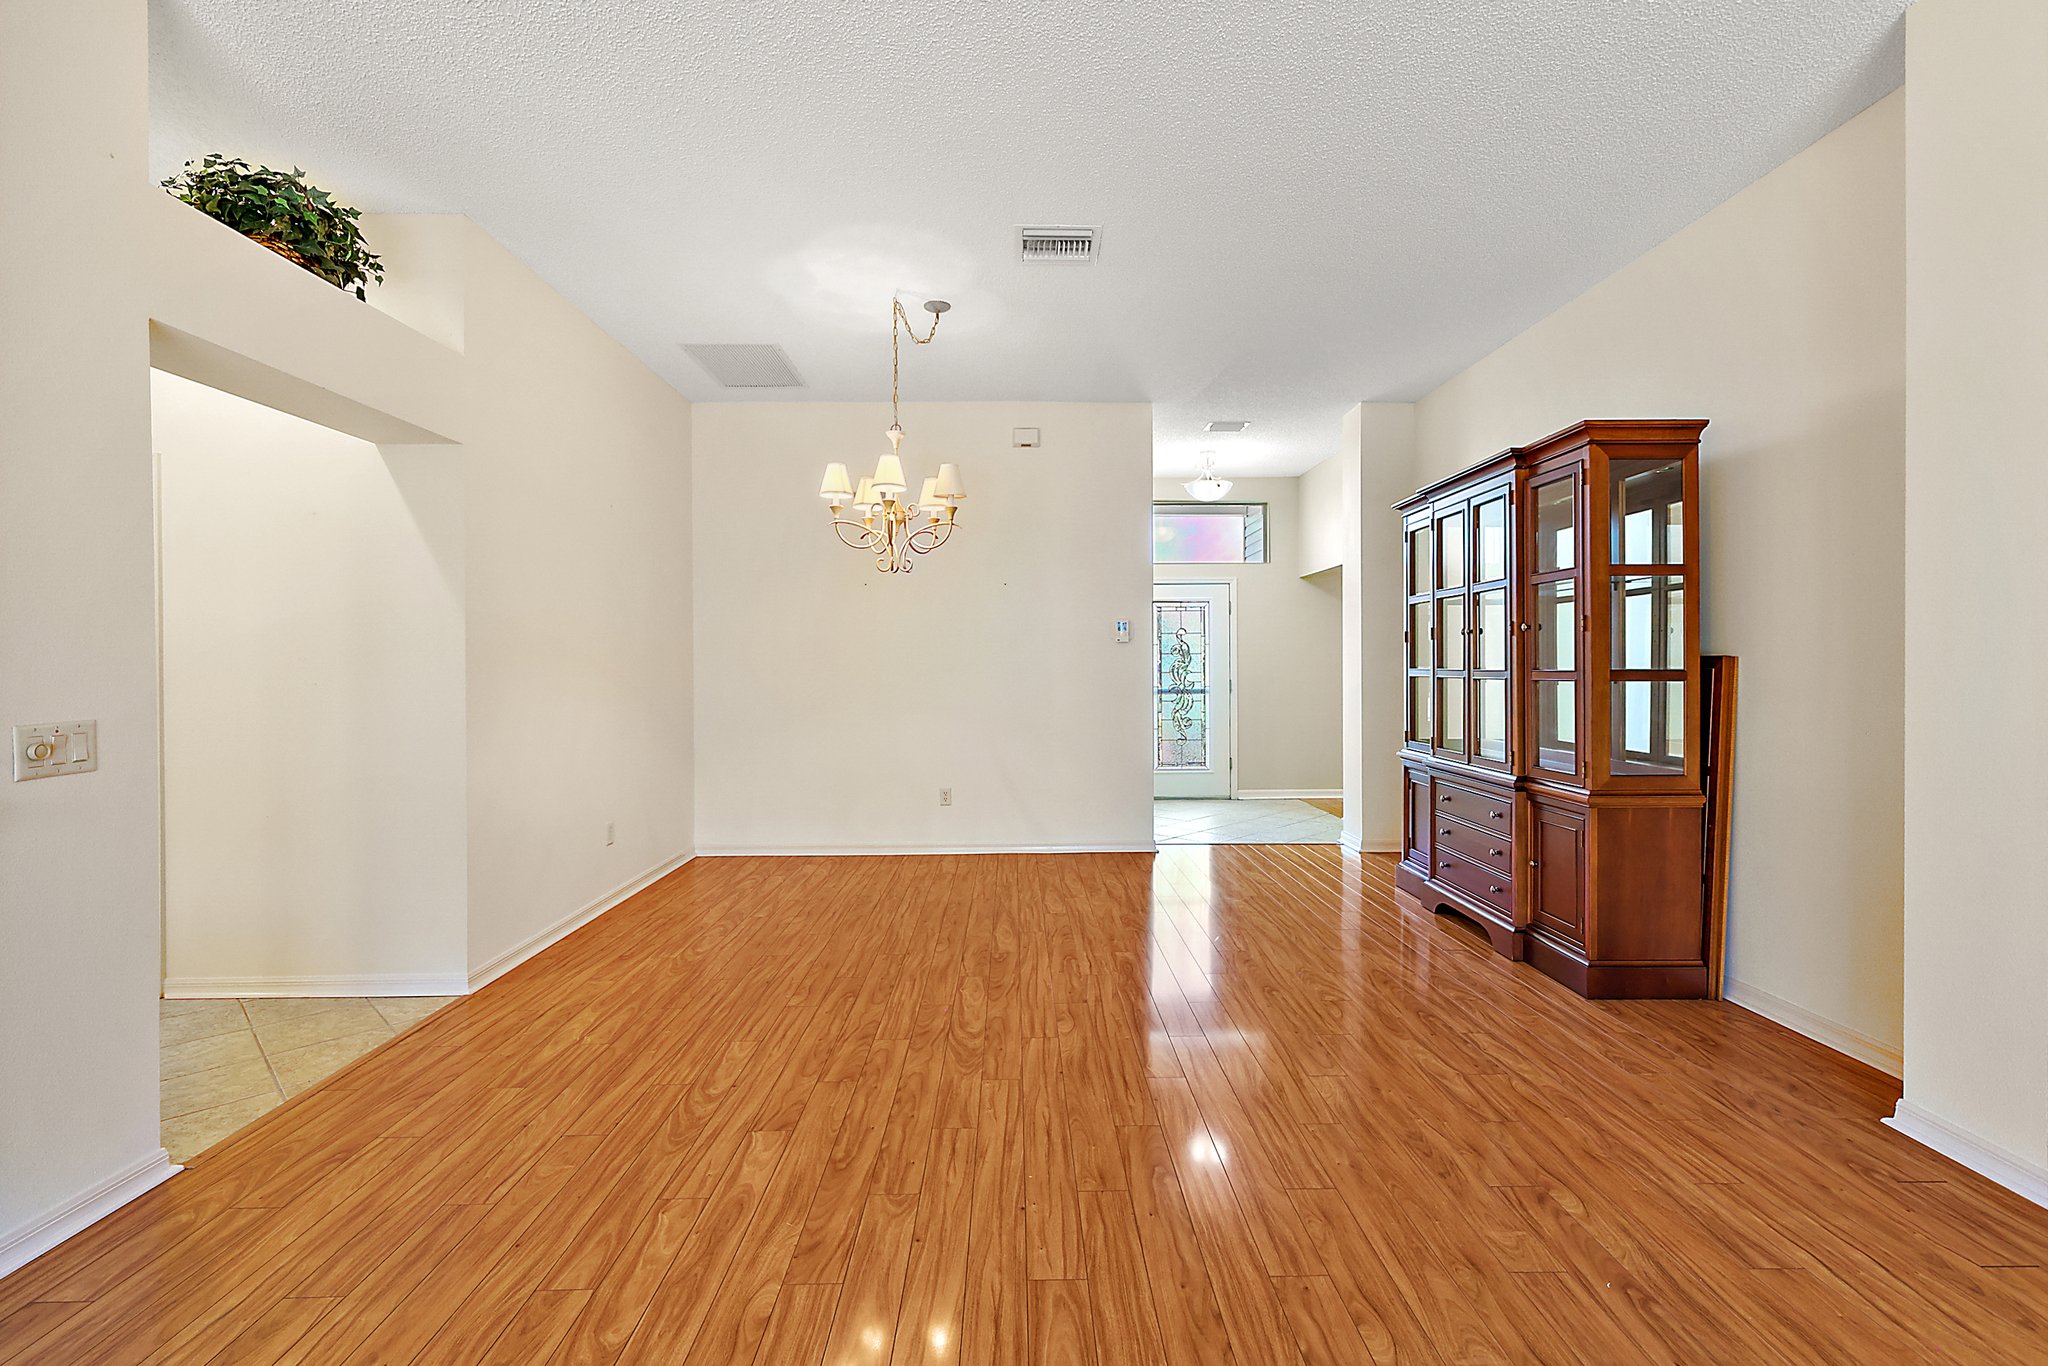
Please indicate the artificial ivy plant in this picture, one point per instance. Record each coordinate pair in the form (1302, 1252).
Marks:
(298, 221)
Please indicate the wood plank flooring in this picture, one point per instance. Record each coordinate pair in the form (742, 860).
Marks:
(1229, 1105)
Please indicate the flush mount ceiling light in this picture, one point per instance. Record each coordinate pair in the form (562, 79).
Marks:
(1206, 487)
(893, 529)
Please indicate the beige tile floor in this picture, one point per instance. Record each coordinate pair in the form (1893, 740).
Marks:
(1257, 820)
(226, 1062)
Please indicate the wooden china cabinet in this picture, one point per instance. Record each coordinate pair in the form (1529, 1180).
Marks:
(1554, 789)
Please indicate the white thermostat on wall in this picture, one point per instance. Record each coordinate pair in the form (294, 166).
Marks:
(1123, 631)
(1024, 438)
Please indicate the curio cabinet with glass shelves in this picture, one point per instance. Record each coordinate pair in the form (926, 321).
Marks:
(1552, 695)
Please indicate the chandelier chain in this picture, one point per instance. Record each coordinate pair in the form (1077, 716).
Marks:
(896, 354)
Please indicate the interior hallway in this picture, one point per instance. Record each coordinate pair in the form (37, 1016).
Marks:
(1257, 820)
(1221, 1104)
(224, 1063)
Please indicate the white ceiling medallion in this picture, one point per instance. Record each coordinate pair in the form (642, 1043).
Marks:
(1206, 487)
(891, 528)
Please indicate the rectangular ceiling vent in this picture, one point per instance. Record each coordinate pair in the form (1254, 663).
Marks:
(1231, 426)
(750, 365)
(1057, 246)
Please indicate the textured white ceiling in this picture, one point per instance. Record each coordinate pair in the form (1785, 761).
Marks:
(1302, 205)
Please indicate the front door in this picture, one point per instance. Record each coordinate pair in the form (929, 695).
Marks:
(1191, 692)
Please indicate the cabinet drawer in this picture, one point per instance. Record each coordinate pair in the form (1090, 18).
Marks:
(1494, 848)
(1495, 889)
(1475, 807)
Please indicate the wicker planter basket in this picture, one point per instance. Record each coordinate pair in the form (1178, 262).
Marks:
(282, 250)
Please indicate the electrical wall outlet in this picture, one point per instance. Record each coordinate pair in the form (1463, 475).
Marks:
(945, 796)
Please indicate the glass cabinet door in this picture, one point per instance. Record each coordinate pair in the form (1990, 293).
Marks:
(1450, 549)
(1556, 626)
(1490, 539)
(1419, 647)
(1649, 699)
(1452, 633)
(1490, 647)
(1646, 501)
(1450, 715)
(1648, 622)
(1554, 505)
(1554, 630)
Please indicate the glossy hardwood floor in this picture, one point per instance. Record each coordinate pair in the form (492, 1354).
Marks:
(1232, 1105)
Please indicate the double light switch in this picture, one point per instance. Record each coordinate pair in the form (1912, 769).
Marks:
(55, 748)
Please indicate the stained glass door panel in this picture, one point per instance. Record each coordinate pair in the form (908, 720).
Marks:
(1191, 690)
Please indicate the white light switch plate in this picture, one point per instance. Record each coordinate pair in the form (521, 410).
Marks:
(55, 748)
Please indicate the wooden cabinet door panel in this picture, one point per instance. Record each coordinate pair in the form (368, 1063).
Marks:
(1418, 843)
(1557, 849)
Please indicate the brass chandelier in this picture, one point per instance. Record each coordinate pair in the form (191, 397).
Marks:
(894, 529)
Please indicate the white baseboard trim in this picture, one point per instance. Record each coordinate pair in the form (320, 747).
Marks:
(492, 968)
(1257, 794)
(2010, 1170)
(1876, 1053)
(367, 984)
(1368, 846)
(907, 851)
(23, 1245)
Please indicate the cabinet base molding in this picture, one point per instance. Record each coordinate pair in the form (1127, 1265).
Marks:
(1615, 981)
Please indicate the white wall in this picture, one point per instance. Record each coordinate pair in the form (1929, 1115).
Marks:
(577, 593)
(1379, 454)
(1325, 514)
(577, 472)
(251, 323)
(833, 702)
(78, 854)
(1780, 317)
(1976, 1013)
(573, 556)
(312, 705)
(1289, 638)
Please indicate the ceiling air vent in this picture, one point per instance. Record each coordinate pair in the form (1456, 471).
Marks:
(1056, 246)
(745, 365)
(1230, 426)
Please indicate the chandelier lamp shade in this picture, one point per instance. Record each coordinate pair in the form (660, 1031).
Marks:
(883, 521)
(1206, 487)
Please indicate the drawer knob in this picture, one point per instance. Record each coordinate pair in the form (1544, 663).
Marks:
(1497, 853)
(1495, 886)
(1500, 815)
(1445, 797)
